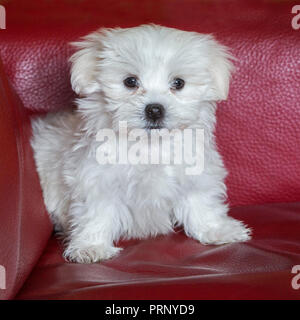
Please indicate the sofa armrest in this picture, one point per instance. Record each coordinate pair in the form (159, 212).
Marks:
(24, 224)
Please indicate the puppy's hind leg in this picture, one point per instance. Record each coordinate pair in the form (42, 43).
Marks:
(52, 138)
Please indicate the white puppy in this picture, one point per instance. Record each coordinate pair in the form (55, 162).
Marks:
(151, 77)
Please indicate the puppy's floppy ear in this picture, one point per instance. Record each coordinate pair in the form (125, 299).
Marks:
(221, 68)
(84, 63)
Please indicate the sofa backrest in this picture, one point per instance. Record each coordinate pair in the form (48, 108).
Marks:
(258, 130)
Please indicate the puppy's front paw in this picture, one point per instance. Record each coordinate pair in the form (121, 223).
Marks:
(90, 254)
(226, 230)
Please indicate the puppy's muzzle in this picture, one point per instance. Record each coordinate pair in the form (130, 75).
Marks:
(154, 112)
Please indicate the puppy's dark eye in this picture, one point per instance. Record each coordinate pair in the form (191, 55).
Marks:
(131, 82)
(177, 84)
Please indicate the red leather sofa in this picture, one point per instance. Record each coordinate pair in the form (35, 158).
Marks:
(258, 134)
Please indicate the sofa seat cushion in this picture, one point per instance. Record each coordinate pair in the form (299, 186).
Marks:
(176, 267)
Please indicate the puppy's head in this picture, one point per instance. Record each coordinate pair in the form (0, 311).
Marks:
(150, 76)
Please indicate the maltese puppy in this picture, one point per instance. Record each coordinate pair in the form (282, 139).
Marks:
(153, 78)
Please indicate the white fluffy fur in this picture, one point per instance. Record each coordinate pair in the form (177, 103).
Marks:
(92, 205)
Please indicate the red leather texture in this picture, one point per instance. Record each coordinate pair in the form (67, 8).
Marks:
(24, 224)
(176, 267)
(258, 130)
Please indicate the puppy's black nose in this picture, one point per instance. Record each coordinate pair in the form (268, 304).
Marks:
(154, 111)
